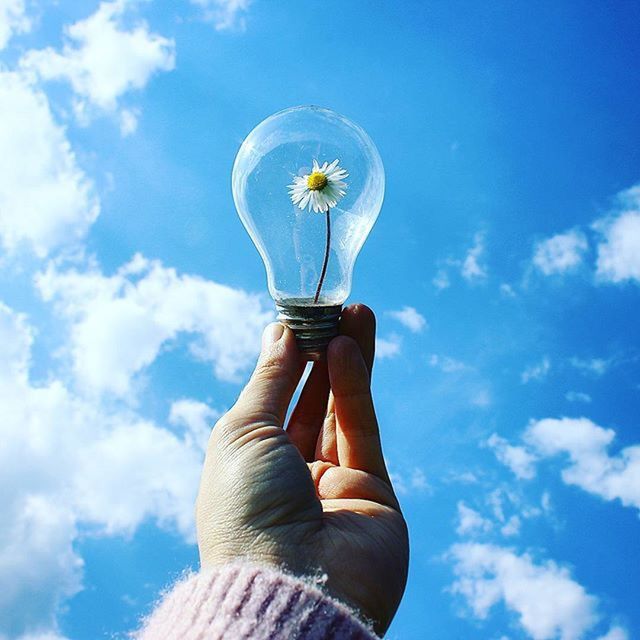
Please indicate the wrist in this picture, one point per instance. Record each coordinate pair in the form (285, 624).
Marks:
(249, 600)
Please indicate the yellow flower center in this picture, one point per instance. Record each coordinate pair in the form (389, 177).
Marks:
(317, 181)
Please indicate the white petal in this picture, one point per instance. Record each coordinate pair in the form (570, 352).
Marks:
(306, 200)
(314, 201)
(338, 174)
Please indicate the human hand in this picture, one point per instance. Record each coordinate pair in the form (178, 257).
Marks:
(318, 495)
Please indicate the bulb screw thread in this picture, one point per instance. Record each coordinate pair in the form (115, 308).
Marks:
(313, 327)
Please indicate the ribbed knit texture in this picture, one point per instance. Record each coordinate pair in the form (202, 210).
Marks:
(241, 601)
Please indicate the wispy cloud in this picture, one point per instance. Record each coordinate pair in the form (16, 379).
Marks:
(592, 366)
(577, 396)
(615, 633)
(518, 459)
(561, 253)
(389, 347)
(441, 280)
(407, 482)
(225, 14)
(472, 267)
(470, 522)
(507, 290)
(196, 417)
(447, 364)
(536, 371)
(410, 318)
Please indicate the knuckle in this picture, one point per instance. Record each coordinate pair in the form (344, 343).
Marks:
(221, 430)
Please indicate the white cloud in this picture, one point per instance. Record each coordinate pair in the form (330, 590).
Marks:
(577, 396)
(441, 280)
(508, 509)
(470, 521)
(16, 338)
(152, 474)
(619, 247)
(518, 459)
(481, 397)
(128, 121)
(502, 499)
(472, 268)
(537, 371)
(591, 467)
(47, 635)
(511, 527)
(615, 633)
(13, 19)
(197, 417)
(464, 477)
(495, 500)
(548, 603)
(55, 449)
(419, 480)
(46, 201)
(405, 483)
(387, 348)
(586, 444)
(225, 14)
(103, 60)
(38, 565)
(591, 366)
(447, 364)
(507, 290)
(561, 253)
(120, 323)
(410, 318)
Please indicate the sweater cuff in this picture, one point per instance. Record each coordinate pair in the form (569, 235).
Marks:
(249, 601)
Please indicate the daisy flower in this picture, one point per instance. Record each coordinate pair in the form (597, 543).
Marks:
(321, 189)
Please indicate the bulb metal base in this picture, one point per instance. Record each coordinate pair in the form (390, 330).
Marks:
(313, 327)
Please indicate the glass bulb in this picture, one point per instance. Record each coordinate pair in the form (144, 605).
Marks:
(295, 157)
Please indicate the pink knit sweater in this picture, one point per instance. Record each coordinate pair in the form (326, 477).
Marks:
(241, 601)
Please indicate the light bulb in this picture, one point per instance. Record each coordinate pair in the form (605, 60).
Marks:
(315, 158)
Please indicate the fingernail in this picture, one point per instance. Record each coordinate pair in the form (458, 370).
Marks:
(272, 334)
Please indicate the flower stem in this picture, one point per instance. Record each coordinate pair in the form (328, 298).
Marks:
(326, 258)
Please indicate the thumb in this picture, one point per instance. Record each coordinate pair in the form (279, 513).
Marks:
(269, 391)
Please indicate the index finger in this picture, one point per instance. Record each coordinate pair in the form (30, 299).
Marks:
(359, 322)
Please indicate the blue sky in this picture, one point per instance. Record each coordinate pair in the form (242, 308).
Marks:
(504, 270)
